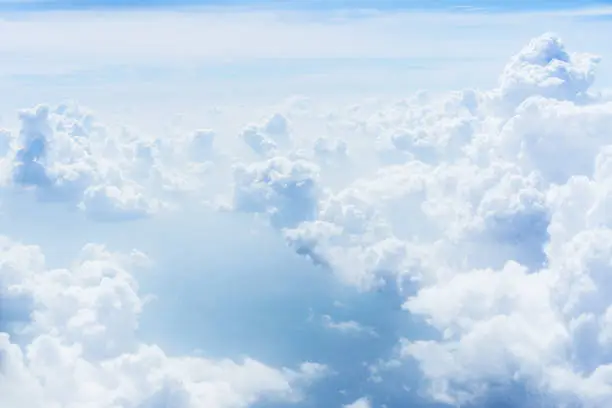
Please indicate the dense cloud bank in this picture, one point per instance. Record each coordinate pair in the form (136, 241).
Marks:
(489, 209)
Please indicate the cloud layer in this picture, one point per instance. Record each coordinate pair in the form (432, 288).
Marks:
(486, 209)
(494, 202)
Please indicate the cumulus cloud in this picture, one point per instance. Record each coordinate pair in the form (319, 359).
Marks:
(541, 324)
(267, 138)
(360, 403)
(466, 179)
(282, 188)
(277, 127)
(79, 348)
(258, 142)
(64, 154)
(494, 203)
(488, 209)
(545, 68)
(518, 271)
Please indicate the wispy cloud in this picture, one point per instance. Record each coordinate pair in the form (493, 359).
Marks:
(59, 42)
(349, 327)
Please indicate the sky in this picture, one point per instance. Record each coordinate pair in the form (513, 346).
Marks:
(271, 204)
(386, 5)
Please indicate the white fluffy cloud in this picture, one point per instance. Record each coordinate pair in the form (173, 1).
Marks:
(471, 182)
(282, 188)
(543, 324)
(495, 202)
(79, 348)
(265, 139)
(64, 154)
(545, 68)
(515, 278)
(492, 203)
(360, 403)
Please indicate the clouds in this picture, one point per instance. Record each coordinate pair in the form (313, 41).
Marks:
(64, 154)
(453, 46)
(80, 347)
(360, 403)
(349, 327)
(505, 315)
(266, 138)
(486, 211)
(494, 207)
(281, 188)
(545, 68)
(512, 313)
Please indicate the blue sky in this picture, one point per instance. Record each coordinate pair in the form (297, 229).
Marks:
(444, 166)
(388, 5)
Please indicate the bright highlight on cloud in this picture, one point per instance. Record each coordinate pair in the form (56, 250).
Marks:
(487, 209)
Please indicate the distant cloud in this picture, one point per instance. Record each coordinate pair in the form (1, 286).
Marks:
(71, 41)
(282, 188)
(360, 403)
(349, 327)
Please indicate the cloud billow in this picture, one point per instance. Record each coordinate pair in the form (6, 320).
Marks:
(503, 227)
(488, 209)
